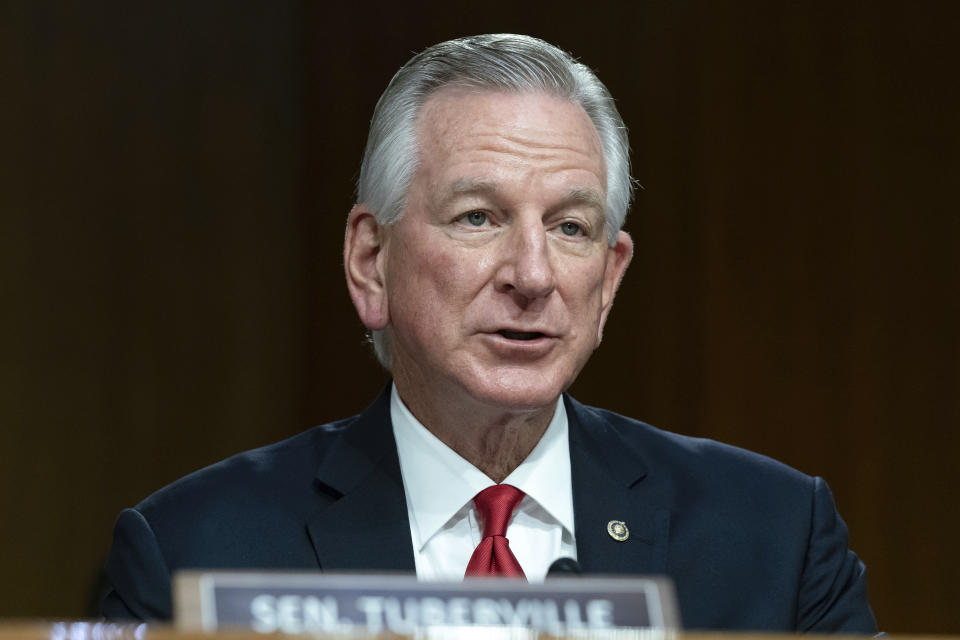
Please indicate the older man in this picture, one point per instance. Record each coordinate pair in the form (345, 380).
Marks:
(484, 255)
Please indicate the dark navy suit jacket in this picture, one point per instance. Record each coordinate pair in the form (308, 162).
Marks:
(750, 543)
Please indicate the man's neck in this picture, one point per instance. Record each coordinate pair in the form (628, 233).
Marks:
(492, 439)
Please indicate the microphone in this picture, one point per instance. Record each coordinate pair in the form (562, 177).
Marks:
(564, 568)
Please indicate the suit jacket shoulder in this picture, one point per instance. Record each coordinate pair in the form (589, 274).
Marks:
(751, 543)
(252, 495)
(700, 462)
(288, 505)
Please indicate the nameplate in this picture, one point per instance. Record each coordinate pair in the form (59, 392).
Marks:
(301, 602)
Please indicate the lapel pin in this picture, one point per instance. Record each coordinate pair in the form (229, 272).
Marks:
(618, 530)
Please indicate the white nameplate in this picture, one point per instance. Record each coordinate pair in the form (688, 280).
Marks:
(310, 602)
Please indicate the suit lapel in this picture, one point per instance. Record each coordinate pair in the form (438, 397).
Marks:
(366, 526)
(610, 483)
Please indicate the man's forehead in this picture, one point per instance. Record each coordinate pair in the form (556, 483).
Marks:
(506, 128)
(447, 110)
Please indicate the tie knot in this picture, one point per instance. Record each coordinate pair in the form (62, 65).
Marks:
(495, 505)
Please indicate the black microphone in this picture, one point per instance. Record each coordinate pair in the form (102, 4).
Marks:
(564, 568)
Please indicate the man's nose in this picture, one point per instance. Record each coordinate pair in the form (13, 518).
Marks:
(526, 270)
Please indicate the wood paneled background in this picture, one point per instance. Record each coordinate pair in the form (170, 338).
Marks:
(175, 177)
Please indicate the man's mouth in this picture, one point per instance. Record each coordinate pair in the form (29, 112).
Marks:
(520, 335)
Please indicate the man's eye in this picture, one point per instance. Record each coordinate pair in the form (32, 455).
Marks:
(476, 218)
(570, 228)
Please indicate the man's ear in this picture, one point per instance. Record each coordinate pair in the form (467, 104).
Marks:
(363, 256)
(618, 257)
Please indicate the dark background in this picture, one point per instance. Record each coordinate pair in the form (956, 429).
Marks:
(175, 179)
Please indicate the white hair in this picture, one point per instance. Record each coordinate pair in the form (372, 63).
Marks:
(500, 62)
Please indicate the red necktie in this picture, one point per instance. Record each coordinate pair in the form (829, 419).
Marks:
(493, 557)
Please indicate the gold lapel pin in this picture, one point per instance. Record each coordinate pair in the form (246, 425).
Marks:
(618, 530)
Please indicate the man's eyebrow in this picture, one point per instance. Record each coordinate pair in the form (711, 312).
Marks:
(462, 186)
(588, 197)
(584, 196)
(465, 187)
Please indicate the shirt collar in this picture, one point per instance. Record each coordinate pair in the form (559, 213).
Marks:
(438, 482)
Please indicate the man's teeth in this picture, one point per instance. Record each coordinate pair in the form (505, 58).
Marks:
(520, 335)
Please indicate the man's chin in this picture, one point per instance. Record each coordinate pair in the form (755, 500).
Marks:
(526, 392)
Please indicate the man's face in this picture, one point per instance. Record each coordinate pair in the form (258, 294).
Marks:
(499, 275)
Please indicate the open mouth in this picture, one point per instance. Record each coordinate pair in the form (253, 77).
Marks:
(520, 335)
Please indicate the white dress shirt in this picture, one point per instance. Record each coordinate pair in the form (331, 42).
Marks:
(440, 486)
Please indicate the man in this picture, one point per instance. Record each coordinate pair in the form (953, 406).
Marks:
(484, 254)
